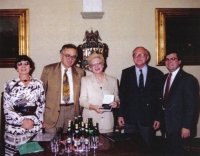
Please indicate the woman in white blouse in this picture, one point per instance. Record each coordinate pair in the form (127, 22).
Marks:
(24, 102)
(93, 89)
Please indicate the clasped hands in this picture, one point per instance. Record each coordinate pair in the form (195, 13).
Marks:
(27, 124)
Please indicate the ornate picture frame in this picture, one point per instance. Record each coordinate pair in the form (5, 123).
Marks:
(14, 36)
(178, 29)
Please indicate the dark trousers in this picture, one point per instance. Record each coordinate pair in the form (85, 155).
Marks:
(175, 144)
(147, 133)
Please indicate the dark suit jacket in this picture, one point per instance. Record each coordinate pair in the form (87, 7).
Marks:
(145, 108)
(181, 102)
(51, 77)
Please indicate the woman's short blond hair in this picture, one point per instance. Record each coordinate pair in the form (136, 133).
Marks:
(95, 55)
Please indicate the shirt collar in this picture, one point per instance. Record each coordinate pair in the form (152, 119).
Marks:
(144, 68)
(63, 68)
(175, 72)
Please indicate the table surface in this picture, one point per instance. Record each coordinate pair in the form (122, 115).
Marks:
(121, 145)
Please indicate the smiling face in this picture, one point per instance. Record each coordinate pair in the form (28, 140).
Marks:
(172, 63)
(96, 65)
(68, 57)
(23, 67)
(140, 57)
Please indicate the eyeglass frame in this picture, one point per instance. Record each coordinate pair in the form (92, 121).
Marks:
(140, 54)
(68, 56)
(26, 63)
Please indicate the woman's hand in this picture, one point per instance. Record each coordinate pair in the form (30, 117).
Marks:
(114, 104)
(27, 124)
(98, 109)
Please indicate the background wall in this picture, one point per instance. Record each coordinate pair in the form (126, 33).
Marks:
(125, 25)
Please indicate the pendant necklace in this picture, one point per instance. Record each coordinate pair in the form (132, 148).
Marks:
(25, 80)
(100, 84)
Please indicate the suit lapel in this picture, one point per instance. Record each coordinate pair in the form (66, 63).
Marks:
(106, 84)
(148, 78)
(57, 76)
(133, 77)
(95, 82)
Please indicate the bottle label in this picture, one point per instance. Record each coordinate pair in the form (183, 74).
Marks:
(69, 140)
(86, 141)
(96, 139)
(77, 142)
(82, 139)
(90, 131)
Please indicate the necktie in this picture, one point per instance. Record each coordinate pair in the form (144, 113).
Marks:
(167, 89)
(141, 81)
(66, 90)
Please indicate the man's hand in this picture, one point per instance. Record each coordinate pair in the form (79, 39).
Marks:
(185, 133)
(156, 125)
(121, 121)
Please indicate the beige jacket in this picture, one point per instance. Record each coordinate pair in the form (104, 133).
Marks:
(51, 77)
(92, 94)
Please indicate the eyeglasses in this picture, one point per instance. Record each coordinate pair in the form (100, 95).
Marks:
(23, 63)
(139, 54)
(73, 57)
(172, 59)
(96, 64)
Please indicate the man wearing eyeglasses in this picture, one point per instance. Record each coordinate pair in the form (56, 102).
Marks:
(59, 110)
(180, 103)
(140, 97)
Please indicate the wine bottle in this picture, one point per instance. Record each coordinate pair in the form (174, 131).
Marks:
(75, 120)
(82, 135)
(68, 144)
(87, 138)
(96, 133)
(90, 126)
(77, 138)
(80, 119)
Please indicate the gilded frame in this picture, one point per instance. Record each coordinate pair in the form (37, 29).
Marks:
(23, 34)
(163, 14)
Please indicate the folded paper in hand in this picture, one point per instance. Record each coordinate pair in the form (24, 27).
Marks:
(30, 147)
(107, 99)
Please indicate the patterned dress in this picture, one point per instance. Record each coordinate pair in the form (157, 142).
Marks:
(15, 93)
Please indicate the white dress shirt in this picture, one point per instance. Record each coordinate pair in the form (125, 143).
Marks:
(144, 71)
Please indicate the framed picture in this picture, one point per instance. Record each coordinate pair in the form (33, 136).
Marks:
(13, 35)
(178, 30)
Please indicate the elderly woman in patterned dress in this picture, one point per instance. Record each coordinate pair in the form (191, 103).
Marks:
(24, 103)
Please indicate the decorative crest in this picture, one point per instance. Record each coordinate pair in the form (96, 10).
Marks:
(92, 45)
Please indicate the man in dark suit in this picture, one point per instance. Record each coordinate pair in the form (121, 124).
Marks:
(140, 97)
(58, 111)
(180, 103)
